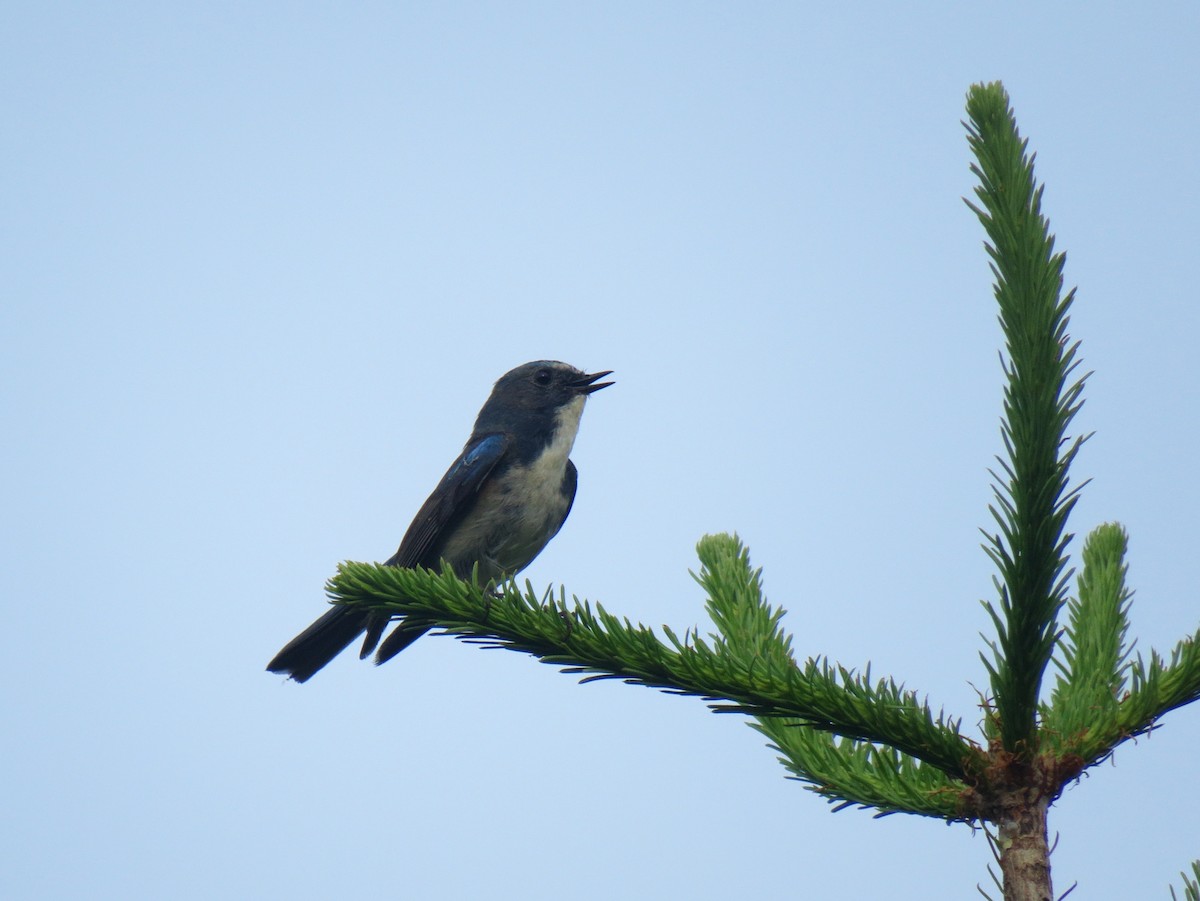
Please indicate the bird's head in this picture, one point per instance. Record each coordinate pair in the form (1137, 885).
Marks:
(545, 385)
(538, 392)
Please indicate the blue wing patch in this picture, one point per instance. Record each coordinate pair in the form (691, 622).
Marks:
(476, 458)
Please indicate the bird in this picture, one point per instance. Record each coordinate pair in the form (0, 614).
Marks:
(497, 507)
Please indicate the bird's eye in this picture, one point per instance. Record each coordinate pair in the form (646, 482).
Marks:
(543, 377)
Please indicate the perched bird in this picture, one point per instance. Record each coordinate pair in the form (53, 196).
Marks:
(498, 505)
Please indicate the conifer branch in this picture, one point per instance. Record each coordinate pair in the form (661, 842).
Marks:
(1093, 659)
(736, 676)
(844, 772)
(1156, 688)
(850, 773)
(1091, 712)
(1032, 500)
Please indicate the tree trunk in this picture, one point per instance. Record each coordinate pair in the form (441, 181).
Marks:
(1024, 852)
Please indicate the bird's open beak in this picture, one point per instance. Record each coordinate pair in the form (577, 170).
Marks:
(586, 383)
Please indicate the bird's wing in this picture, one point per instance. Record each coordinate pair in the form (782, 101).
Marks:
(570, 483)
(450, 500)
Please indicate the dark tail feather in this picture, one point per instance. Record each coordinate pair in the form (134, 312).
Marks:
(402, 636)
(375, 628)
(305, 654)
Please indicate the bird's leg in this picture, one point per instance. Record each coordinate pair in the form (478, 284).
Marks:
(490, 594)
(568, 621)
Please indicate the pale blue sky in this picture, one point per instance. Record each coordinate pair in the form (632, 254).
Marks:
(262, 263)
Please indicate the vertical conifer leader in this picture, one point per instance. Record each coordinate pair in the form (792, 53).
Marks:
(1032, 500)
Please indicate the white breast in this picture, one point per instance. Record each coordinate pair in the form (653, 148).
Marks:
(549, 468)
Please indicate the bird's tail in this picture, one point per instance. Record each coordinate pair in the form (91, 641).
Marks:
(305, 654)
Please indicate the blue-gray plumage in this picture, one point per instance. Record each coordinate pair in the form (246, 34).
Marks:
(498, 505)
